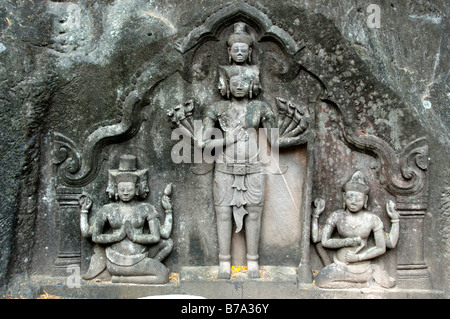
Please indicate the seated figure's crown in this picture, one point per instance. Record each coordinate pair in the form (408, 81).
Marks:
(357, 184)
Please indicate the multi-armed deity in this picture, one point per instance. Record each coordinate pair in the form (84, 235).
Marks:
(239, 178)
(351, 266)
(131, 243)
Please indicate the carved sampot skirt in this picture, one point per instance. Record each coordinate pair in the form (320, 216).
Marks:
(239, 186)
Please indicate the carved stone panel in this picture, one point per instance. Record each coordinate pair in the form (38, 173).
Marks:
(177, 148)
(242, 75)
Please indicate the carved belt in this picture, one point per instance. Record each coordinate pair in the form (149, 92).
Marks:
(238, 168)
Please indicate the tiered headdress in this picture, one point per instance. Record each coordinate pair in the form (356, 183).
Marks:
(240, 35)
(127, 172)
(357, 184)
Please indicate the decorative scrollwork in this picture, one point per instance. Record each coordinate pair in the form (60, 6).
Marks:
(65, 152)
(403, 173)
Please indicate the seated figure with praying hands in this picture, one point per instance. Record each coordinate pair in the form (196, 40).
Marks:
(351, 266)
(131, 242)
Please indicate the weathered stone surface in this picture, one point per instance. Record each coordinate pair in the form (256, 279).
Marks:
(68, 67)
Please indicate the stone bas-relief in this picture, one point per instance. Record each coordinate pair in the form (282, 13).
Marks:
(131, 242)
(239, 174)
(352, 267)
(260, 78)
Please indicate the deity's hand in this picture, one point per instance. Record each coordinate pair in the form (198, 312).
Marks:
(237, 134)
(165, 200)
(123, 233)
(85, 203)
(128, 230)
(351, 257)
(319, 205)
(352, 242)
(391, 211)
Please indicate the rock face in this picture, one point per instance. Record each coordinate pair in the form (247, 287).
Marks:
(84, 82)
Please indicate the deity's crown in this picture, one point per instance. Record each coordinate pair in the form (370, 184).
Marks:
(240, 35)
(243, 73)
(127, 172)
(357, 184)
(127, 163)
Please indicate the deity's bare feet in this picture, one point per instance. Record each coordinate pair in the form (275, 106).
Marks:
(253, 269)
(224, 270)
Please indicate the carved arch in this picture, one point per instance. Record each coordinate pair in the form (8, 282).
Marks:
(216, 22)
(254, 16)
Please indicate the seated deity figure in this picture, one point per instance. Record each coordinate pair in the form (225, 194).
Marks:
(134, 240)
(351, 266)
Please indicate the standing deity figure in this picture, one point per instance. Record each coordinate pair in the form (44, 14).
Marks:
(239, 56)
(239, 175)
(131, 243)
(351, 266)
(240, 45)
(239, 180)
(239, 183)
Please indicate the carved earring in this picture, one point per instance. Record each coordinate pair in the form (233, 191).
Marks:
(250, 56)
(228, 89)
(343, 201)
(365, 202)
(250, 92)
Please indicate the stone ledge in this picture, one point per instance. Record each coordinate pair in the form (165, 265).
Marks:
(239, 274)
(201, 282)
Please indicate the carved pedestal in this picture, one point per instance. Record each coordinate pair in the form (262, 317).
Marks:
(69, 250)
